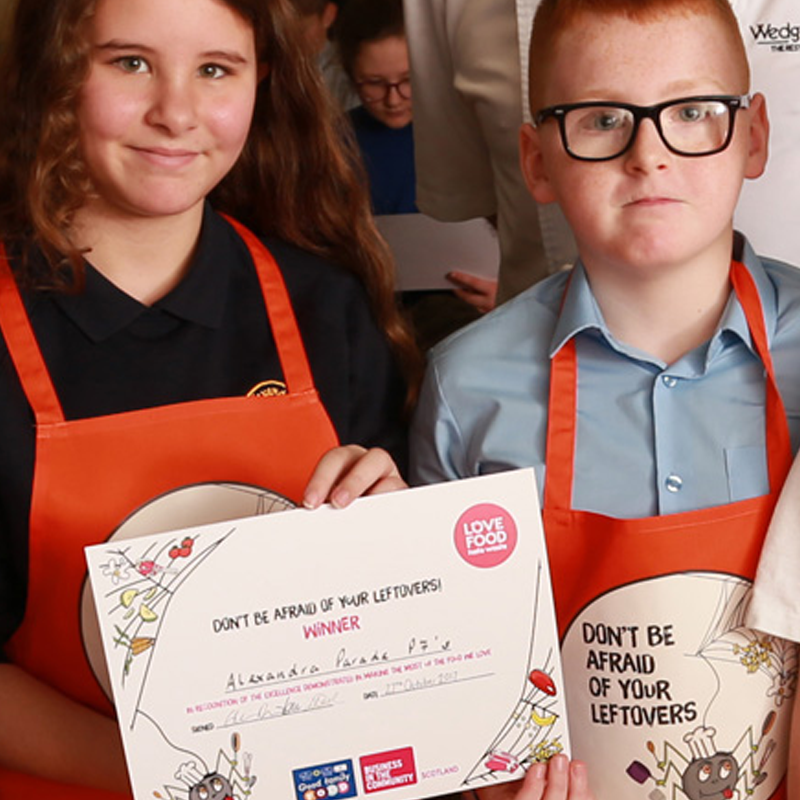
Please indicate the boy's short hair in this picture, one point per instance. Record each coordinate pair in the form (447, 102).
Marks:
(554, 17)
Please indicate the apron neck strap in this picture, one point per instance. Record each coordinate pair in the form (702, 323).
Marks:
(24, 349)
(563, 404)
(288, 341)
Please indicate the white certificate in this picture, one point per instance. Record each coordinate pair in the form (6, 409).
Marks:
(405, 647)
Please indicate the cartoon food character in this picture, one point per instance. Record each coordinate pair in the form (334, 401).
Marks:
(203, 783)
(710, 773)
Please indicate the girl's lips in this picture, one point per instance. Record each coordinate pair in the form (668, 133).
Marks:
(167, 157)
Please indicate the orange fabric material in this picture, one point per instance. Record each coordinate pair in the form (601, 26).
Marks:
(90, 474)
(591, 554)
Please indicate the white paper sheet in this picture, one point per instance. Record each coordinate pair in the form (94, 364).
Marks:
(425, 249)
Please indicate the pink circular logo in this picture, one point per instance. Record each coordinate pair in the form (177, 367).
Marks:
(485, 535)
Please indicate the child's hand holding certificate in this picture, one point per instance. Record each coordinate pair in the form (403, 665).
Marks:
(403, 646)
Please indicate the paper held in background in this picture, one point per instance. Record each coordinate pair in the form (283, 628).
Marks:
(425, 249)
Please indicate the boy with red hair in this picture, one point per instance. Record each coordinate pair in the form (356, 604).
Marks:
(653, 388)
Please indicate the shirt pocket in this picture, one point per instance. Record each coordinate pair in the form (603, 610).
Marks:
(747, 472)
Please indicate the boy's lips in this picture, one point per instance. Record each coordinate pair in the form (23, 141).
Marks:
(650, 201)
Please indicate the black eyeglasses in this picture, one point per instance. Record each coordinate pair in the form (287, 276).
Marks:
(375, 90)
(689, 126)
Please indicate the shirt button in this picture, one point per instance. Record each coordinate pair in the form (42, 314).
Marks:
(669, 381)
(674, 483)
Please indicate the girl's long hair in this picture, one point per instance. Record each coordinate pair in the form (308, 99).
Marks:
(298, 177)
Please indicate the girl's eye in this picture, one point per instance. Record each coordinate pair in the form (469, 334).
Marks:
(213, 71)
(134, 64)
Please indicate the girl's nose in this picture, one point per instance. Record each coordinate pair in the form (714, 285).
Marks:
(393, 97)
(173, 106)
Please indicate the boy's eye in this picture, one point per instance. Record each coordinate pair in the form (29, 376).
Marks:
(698, 112)
(604, 120)
(133, 64)
(213, 71)
(690, 113)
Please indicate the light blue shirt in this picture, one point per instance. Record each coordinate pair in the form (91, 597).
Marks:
(652, 438)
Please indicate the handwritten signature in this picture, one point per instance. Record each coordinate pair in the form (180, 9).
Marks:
(287, 707)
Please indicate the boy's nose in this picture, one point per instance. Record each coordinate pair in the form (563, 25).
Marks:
(648, 150)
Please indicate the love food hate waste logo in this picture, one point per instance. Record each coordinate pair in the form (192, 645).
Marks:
(485, 535)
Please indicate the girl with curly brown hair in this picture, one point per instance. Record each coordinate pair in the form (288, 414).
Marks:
(150, 341)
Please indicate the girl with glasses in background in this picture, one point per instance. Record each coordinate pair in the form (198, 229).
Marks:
(371, 40)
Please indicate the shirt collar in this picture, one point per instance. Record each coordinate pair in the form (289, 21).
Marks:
(580, 312)
(102, 309)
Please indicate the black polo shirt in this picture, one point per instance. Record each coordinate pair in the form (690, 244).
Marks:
(107, 353)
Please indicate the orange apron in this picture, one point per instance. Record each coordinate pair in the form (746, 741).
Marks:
(92, 473)
(668, 693)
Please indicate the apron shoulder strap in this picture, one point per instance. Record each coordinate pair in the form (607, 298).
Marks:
(24, 349)
(562, 412)
(289, 343)
(779, 445)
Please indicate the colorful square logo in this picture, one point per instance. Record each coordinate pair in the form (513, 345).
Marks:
(382, 771)
(336, 780)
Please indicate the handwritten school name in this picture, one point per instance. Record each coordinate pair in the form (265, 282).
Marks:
(344, 659)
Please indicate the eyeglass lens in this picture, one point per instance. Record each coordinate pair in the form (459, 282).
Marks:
(694, 128)
(373, 91)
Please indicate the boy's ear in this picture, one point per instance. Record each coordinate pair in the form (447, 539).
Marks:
(758, 139)
(532, 164)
